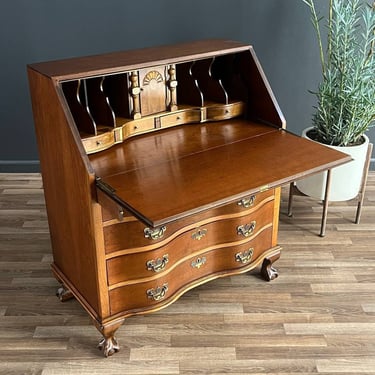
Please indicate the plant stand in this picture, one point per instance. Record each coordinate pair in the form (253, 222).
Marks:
(293, 190)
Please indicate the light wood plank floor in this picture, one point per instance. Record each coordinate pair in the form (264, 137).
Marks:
(318, 317)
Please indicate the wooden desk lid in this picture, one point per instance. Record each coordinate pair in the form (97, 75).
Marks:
(161, 190)
(119, 61)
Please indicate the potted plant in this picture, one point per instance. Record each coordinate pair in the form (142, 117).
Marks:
(345, 107)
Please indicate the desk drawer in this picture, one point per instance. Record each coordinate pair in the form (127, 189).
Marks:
(228, 232)
(145, 294)
(131, 234)
(178, 118)
(150, 263)
(112, 210)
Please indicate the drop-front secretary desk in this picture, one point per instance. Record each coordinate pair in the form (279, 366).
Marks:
(162, 170)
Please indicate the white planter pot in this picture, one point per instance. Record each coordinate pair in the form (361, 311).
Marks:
(345, 179)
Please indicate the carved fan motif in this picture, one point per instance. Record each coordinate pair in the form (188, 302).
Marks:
(152, 75)
(153, 95)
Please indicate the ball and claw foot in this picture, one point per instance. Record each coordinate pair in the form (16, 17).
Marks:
(109, 346)
(64, 294)
(268, 272)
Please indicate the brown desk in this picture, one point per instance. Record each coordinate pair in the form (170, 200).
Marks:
(162, 170)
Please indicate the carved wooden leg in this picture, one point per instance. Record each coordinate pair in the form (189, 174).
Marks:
(267, 271)
(108, 344)
(64, 294)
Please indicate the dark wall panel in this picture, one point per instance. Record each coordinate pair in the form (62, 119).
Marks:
(40, 30)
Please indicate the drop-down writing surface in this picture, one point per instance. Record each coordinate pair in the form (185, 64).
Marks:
(145, 151)
(167, 190)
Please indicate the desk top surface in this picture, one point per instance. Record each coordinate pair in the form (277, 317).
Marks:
(167, 175)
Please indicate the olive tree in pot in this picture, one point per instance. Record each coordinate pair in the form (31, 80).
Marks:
(345, 107)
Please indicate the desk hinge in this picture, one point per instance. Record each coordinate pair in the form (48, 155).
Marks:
(103, 186)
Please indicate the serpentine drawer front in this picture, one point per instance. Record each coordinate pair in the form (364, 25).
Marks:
(215, 225)
(146, 259)
(184, 274)
(173, 161)
(148, 264)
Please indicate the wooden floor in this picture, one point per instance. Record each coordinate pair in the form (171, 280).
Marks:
(318, 317)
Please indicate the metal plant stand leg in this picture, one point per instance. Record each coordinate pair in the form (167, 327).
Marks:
(293, 190)
(290, 201)
(361, 194)
(325, 205)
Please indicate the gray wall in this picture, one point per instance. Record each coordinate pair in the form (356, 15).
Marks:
(40, 30)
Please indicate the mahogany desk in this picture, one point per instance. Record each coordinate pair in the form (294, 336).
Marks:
(162, 170)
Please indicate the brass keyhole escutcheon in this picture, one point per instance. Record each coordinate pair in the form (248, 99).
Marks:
(199, 262)
(199, 234)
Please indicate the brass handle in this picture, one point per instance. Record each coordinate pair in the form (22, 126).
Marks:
(158, 293)
(158, 264)
(199, 234)
(247, 229)
(155, 234)
(199, 262)
(244, 257)
(247, 202)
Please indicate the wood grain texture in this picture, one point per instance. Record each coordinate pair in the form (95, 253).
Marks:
(264, 166)
(317, 317)
(129, 60)
(60, 149)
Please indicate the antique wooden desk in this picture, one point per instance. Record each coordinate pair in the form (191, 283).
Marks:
(162, 170)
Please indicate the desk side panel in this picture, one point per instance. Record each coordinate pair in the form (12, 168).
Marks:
(262, 104)
(69, 193)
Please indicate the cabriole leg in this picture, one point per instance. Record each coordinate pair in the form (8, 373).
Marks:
(267, 271)
(64, 294)
(108, 344)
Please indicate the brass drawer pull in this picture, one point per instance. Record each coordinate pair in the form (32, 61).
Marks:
(247, 202)
(157, 294)
(244, 257)
(247, 229)
(199, 234)
(199, 262)
(155, 234)
(158, 264)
